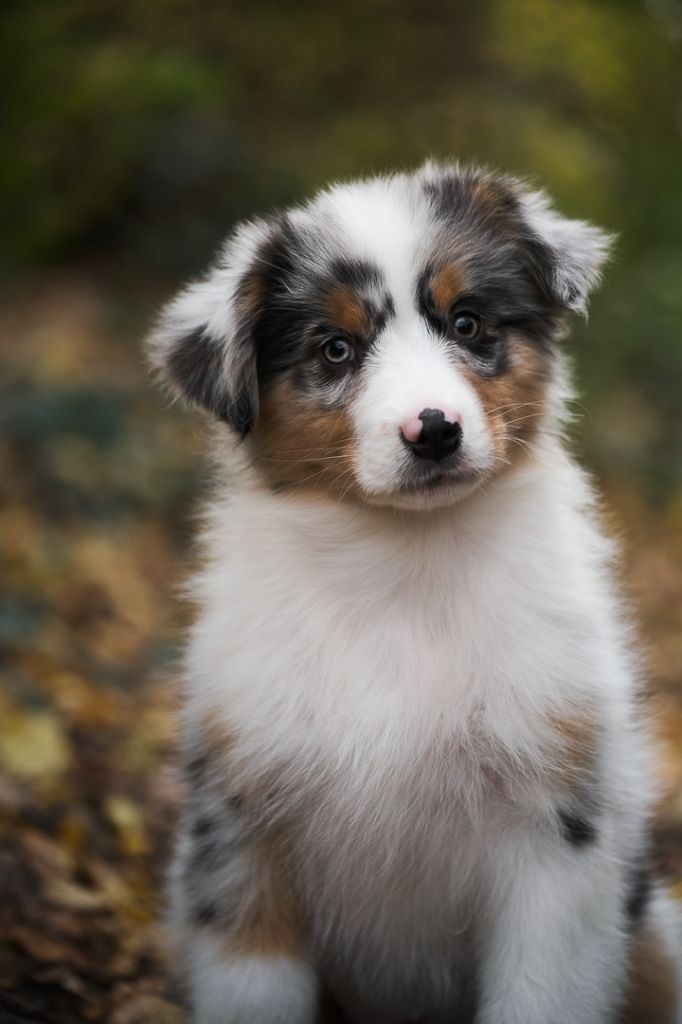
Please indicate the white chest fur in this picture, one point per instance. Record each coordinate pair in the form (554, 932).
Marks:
(327, 626)
(396, 675)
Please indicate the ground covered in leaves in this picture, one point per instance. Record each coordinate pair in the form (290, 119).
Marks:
(97, 479)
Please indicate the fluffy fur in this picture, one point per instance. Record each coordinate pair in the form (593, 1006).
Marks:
(418, 780)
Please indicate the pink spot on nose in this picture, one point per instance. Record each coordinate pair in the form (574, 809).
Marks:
(412, 430)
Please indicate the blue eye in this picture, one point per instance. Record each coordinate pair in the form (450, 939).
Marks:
(337, 351)
(467, 326)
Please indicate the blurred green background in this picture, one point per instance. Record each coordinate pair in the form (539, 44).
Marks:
(134, 134)
(137, 132)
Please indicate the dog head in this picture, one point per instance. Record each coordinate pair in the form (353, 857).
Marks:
(393, 341)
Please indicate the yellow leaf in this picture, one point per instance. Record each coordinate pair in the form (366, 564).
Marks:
(33, 745)
(126, 818)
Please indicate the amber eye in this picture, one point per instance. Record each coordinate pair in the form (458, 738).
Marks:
(337, 350)
(467, 326)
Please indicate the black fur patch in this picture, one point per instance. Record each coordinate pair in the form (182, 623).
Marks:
(356, 273)
(196, 769)
(294, 312)
(204, 914)
(274, 323)
(202, 827)
(639, 889)
(213, 850)
(509, 270)
(196, 366)
(541, 264)
(577, 829)
(235, 803)
(216, 833)
(285, 300)
(241, 412)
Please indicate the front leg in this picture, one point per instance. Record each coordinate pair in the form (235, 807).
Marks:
(556, 949)
(234, 915)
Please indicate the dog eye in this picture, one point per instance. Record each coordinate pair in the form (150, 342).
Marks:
(467, 326)
(337, 350)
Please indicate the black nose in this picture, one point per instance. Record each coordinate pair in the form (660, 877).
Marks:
(438, 438)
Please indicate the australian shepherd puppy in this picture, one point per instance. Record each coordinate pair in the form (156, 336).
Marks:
(418, 783)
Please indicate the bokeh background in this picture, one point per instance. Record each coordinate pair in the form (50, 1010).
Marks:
(134, 134)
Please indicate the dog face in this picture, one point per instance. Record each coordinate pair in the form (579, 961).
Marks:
(393, 341)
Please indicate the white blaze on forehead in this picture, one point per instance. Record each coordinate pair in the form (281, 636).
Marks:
(408, 369)
(385, 224)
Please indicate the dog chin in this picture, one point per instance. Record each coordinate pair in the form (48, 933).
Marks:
(436, 492)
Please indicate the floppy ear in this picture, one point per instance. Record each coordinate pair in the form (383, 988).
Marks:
(564, 256)
(202, 346)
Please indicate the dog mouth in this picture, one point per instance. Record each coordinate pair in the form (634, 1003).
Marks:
(438, 479)
(431, 486)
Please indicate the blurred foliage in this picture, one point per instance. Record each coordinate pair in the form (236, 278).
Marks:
(94, 481)
(139, 131)
(134, 134)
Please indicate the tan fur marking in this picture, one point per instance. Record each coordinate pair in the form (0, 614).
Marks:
(496, 201)
(218, 743)
(652, 996)
(272, 923)
(345, 310)
(514, 401)
(268, 920)
(252, 291)
(577, 736)
(446, 285)
(486, 191)
(575, 749)
(299, 447)
(216, 738)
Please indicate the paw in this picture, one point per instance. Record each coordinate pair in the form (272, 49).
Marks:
(260, 989)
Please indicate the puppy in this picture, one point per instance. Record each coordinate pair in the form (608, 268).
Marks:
(418, 783)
